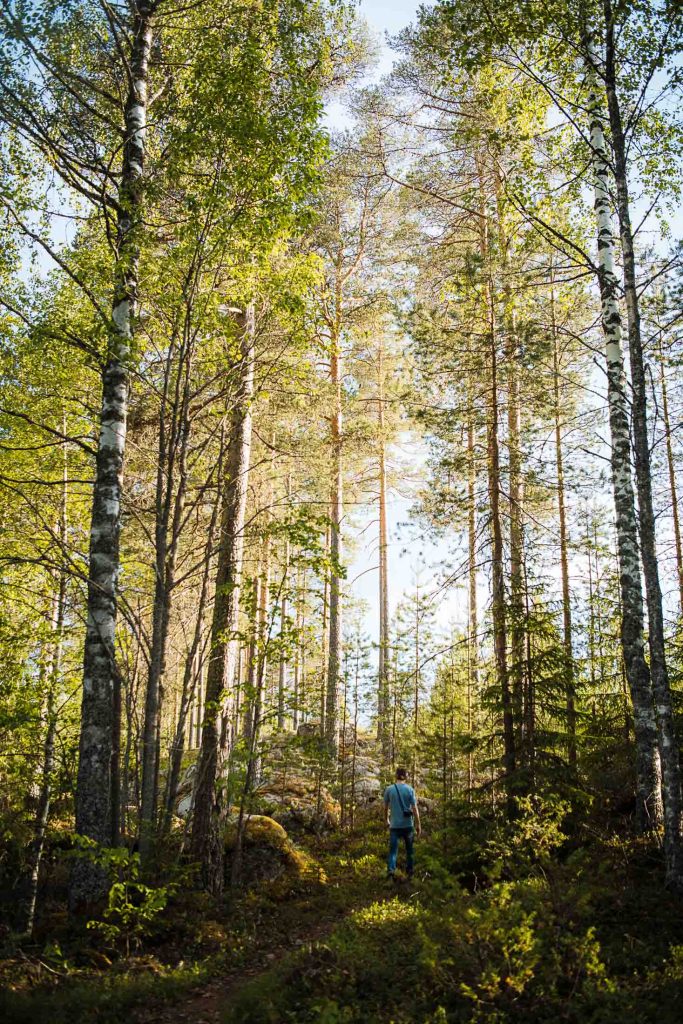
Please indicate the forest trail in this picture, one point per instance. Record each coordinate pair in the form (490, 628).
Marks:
(303, 925)
(209, 1003)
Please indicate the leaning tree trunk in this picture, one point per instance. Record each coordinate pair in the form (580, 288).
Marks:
(208, 806)
(190, 675)
(94, 811)
(648, 783)
(668, 742)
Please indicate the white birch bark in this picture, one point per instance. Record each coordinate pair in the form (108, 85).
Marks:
(94, 798)
(668, 741)
(648, 776)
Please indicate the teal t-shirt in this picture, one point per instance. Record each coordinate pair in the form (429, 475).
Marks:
(391, 799)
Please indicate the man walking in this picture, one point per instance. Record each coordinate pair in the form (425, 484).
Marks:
(403, 818)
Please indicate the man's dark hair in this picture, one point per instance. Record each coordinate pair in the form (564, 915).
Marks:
(401, 773)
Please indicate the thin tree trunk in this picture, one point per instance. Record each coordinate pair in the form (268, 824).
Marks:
(93, 790)
(668, 741)
(498, 612)
(336, 513)
(671, 466)
(648, 781)
(354, 750)
(473, 616)
(190, 679)
(209, 806)
(417, 682)
(529, 693)
(324, 639)
(251, 677)
(383, 669)
(282, 676)
(564, 556)
(516, 488)
(300, 624)
(54, 673)
(170, 506)
(259, 664)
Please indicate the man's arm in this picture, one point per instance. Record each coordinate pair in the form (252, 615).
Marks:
(386, 814)
(416, 814)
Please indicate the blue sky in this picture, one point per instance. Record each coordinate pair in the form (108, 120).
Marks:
(389, 15)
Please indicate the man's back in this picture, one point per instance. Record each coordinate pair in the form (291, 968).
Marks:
(399, 796)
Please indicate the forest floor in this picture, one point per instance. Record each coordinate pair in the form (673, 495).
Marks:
(206, 952)
(525, 925)
(295, 925)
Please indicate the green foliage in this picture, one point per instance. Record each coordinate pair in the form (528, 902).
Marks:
(133, 908)
(536, 948)
(527, 843)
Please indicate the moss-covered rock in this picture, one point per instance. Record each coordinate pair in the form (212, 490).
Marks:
(269, 855)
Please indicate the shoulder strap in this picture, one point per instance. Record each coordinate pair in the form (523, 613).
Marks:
(400, 798)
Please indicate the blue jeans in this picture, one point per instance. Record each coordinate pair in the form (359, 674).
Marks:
(408, 836)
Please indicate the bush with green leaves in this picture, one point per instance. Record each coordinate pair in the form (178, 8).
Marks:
(133, 907)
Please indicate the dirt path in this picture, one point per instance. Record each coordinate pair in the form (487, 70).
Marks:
(207, 1003)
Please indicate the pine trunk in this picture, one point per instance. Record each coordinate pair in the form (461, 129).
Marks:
(564, 540)
(473, 615)
(383, 671)
(284, 667)
(171, 489)
(516, 491)
(336, 512)
(498, 610)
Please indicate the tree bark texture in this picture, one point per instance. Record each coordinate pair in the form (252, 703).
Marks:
(473, 615)
(336, 514)
(208, 804)
(564, 539)
(668, 742)
(648, 780)
(383, 668)
(175, 427)
(93, 791)
(515, 487)
(498, 609)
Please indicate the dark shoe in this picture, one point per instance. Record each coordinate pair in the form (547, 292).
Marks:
(390, 877)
